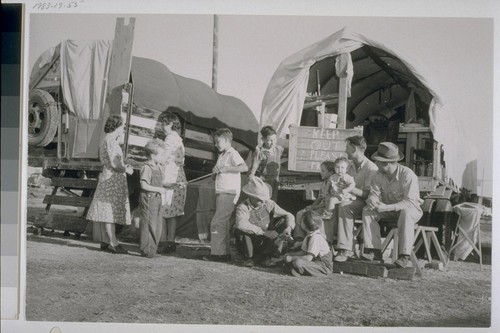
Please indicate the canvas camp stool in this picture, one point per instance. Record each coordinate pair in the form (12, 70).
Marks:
(460, 235)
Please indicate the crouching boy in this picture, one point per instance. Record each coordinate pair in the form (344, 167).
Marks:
(261, 225)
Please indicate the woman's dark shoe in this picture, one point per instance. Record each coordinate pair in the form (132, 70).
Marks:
(248, 263)
(169, 248)
(104, 246)
(218, 258)
(150, 255)
(117, 249)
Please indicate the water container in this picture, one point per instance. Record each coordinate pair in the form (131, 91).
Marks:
(421, 169)
(429, 170)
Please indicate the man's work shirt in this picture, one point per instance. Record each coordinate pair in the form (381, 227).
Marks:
(401, 191)
(363, 175)
(255, 220)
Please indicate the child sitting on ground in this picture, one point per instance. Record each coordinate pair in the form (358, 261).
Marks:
(326, 171)
(315, 256)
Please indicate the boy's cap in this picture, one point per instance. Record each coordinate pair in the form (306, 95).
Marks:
(257, 188)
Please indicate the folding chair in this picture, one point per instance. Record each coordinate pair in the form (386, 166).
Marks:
(468, 223)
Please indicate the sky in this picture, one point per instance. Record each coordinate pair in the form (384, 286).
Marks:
(454, 54)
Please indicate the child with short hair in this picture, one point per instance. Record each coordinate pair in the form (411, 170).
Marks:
(151, 198)
(318, 207)
(315, 256)
(266, 160)
(226, 171)
(338, 195)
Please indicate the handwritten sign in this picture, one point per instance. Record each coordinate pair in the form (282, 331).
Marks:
(309, 146)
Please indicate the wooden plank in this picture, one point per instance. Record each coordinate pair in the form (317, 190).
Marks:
(292, 152)
(74, 182)
(134, 140)
(309, 105)
(321, 98)
(207, 146)
(426, 239)
(407, 273)
(136, 153)
(146, 113)
(360, 268)
(199, 153)
(61, 222)
(199, 136)
(414, 262)
(435, 265)
(312, 166)
(321, 144)
(343, 91)
(440, 253)
(73, 165)
(427, 184)
(141, 131)
(67, 201)
(121, 56)
(406, 129)
(309, 146)
(327, 133)
(143, 122)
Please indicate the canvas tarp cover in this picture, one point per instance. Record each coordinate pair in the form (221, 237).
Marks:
(84, 66)
(157, 88)
(83, 70)
(284, 98)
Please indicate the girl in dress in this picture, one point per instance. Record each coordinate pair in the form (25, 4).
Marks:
(171, 125)
(110, 204)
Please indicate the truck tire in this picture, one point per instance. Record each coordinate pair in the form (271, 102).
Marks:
(43, 118)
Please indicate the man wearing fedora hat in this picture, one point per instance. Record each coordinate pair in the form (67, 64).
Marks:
(394, 194)
(260, 221)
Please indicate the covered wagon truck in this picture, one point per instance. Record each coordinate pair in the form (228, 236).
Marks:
(75, 85)
(347, 84)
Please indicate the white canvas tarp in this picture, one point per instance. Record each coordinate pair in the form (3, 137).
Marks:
(284, 99)
(84, 66)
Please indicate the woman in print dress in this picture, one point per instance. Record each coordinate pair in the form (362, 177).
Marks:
(175, 207)
(110, 204)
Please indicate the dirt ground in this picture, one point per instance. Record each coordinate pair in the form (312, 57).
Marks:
(72, 280)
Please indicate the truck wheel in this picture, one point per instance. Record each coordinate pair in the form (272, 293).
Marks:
(43, 118)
